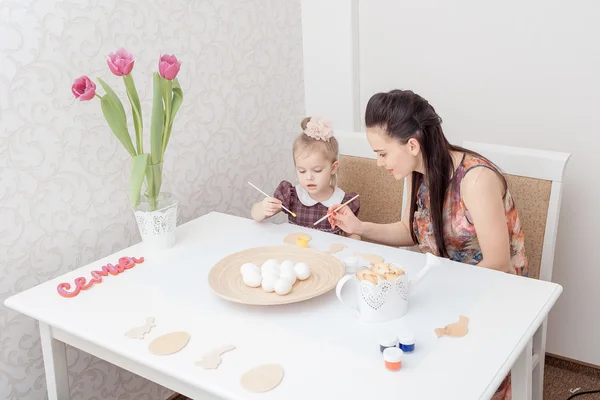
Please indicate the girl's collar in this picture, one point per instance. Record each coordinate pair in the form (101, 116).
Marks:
(336, 198)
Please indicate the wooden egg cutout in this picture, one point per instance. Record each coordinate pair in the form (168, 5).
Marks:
(169, 343)
(262, 378)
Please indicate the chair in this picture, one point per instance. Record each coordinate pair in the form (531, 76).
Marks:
(535, 181)
(380, 194)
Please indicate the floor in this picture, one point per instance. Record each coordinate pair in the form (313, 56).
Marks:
(559, 378)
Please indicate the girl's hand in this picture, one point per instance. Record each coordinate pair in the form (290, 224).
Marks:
(271, 206)
(345, 220)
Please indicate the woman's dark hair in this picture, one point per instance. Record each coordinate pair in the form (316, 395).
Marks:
(405, 115)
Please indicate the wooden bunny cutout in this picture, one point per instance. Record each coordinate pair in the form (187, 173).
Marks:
(455, 329)
(141, 331)
(213, 359)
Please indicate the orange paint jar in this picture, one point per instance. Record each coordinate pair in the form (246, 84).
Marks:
(392, 356)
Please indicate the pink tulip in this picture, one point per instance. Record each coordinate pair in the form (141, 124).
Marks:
(121, 62)
(83, 88)
(168, 66)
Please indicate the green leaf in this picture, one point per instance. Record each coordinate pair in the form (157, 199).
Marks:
(117, 123)
(138, 171)
(113, 98)
(114, 113)
(177, 99)
(175, 104)
(136, 111)
(156, 128)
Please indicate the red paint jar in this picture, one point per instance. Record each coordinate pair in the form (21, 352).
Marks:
(392, 356)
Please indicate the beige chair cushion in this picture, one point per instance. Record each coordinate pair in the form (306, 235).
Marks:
(380, 194)
(532, 197)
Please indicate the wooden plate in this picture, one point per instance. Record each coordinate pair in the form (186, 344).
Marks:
(226, 280)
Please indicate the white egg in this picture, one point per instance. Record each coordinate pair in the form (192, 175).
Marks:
(270, 274)
(288, 275)
(351, 264)
(252, 278)
(302, 271)
(248, 266)
(270, 265)
(282, 287)
(270, 270)
(268, 283)
(286, 266)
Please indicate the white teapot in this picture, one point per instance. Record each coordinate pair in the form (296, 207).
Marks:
(382, 299)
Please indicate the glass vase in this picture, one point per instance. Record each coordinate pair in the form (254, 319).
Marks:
(156, 215)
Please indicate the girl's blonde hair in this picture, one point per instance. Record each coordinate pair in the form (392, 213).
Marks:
(306, 144)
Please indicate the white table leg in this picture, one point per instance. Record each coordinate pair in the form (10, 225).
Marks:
(521, 374)
(55, 364)
(539, 348)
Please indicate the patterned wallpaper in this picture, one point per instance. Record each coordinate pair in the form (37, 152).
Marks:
(63, 175)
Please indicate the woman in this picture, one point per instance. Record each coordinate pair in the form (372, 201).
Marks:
(460, 205)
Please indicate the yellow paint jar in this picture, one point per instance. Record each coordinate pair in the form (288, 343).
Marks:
(302, 242)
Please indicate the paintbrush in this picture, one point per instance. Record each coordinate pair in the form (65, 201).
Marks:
(266, 195)
(337, 209)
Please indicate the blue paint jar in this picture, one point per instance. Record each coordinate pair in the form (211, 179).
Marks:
(406, 342)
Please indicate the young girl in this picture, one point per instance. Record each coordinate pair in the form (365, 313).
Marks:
(316, 159)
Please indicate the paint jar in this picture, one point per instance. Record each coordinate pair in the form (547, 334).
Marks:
(406, 342)
(387, 341)
(302, 241)
(392, 356)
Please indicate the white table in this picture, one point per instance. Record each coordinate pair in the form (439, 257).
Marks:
(326, 351)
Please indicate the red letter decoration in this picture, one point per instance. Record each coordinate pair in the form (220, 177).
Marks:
(125, 263)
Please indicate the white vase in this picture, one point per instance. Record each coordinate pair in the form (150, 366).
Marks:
(157, 227)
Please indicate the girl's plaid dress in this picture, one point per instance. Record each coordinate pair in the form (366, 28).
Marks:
(308, 211)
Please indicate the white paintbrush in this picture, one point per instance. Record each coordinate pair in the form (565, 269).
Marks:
(266, 195)
(337, 209)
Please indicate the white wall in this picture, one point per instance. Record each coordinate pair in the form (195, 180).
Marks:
(330, 40)
(64, 177)
(515, 73)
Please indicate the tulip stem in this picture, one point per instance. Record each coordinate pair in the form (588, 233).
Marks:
(98, 96)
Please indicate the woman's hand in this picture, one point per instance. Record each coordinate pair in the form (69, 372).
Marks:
(345, 220)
